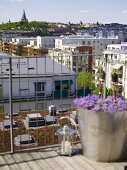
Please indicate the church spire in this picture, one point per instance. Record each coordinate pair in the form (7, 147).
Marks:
(9, 21)
(24, 19)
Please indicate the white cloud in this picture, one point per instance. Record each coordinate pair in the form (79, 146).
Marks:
(124, 12)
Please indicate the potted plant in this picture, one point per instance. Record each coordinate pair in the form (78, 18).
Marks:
(103, 127)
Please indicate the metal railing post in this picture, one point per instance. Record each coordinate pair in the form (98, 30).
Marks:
(11, 105)
(106, 58)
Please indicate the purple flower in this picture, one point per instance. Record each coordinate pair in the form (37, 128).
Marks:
(96, 108)
(95, 103)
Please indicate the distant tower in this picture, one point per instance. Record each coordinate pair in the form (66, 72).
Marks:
(24, 19)
(9, 21)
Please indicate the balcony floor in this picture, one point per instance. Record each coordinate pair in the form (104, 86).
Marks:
(48, 159)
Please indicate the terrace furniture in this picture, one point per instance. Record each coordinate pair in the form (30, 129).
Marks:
(34, 120)
(24, 140)
(5, 125)
(50, 120)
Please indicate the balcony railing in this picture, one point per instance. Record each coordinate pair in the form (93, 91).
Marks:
(25, 120)
(18, 101)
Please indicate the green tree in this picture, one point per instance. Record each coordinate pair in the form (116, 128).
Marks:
(22, 25)
(85, 79)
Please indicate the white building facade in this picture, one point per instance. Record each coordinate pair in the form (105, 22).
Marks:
(73, 56)
(117, 61)
(99, 44)
(22, 40)
(35, 79)
(46, 42)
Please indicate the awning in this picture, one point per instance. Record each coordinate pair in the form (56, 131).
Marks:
(117, 66)
(58, 82)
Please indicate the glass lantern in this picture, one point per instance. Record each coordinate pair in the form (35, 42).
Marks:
(66, 143)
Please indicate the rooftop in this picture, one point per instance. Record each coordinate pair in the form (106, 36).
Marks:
(25, 38)
(87, 37)
(43, 66)
(73, 45)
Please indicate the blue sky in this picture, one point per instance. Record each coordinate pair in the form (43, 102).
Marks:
(103, 11)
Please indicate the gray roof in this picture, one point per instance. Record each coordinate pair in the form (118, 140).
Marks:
(32, 66)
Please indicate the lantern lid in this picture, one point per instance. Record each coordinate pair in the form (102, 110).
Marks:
(66, 130)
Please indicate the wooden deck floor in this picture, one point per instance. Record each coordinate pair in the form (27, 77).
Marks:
(48, 159)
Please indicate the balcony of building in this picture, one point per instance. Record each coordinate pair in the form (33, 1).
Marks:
(28, 138)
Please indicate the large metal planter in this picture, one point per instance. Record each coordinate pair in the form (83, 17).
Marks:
(103, 135)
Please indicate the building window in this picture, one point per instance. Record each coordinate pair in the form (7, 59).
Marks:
(74, 69)
(115, 56)
(80, 69)
(74, 63)
(88, 42)
(74, 58)
(57, 87)
(40, 106)
(39, 88)
(63, 85)
(83, 43)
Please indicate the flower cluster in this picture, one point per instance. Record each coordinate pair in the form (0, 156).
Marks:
(95, 103)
